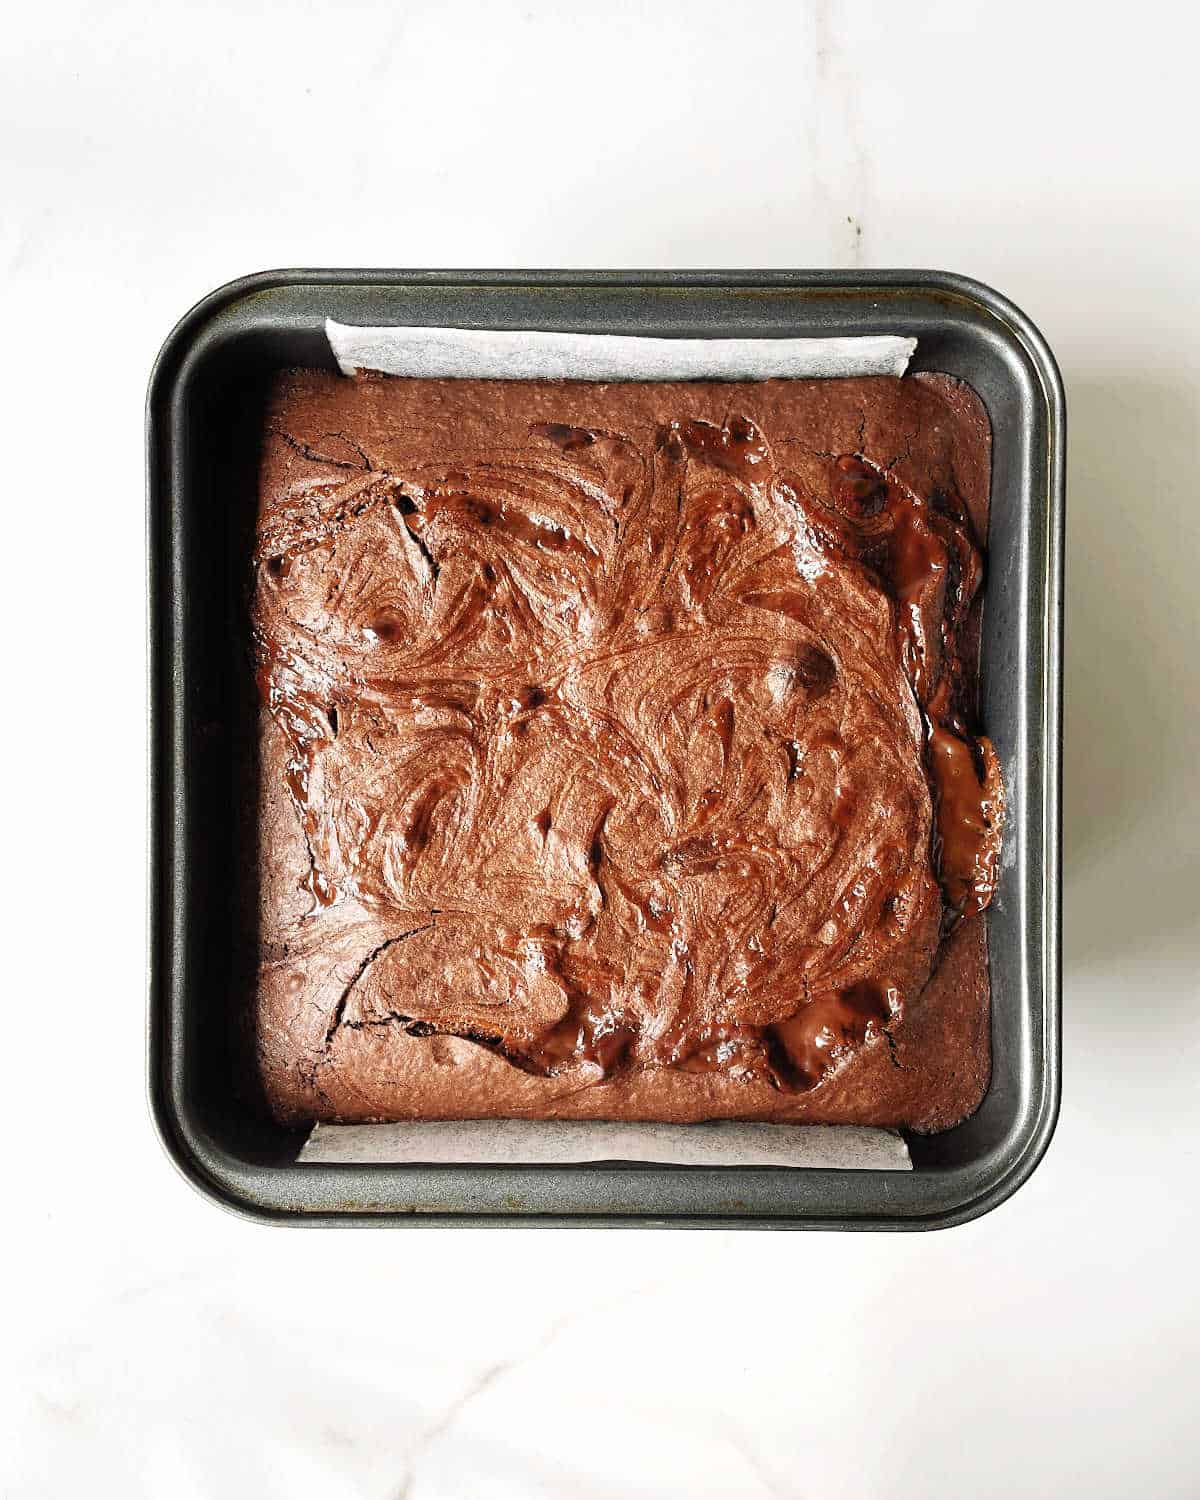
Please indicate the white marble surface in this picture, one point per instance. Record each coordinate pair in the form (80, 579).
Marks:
(157, 1347)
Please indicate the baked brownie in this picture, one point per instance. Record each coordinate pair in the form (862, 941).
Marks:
(618, 753)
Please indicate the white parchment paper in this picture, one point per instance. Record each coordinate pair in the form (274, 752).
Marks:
(491, 354)
(470, 353)
(718, 1143)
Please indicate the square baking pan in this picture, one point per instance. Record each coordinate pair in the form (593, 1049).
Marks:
(204, 417)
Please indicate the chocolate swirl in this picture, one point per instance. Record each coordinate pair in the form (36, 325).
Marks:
(653, 755)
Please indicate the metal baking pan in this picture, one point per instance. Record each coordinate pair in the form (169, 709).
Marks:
(204, 410)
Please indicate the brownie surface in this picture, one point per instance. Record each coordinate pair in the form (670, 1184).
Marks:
(618, 755)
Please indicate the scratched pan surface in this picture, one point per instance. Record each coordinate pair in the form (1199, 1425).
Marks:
(203, 416)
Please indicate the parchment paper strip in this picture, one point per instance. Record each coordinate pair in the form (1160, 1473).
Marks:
(466, 353)
(718, 1143)
(492, 354)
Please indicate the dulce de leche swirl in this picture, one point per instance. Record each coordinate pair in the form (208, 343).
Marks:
(633, 750)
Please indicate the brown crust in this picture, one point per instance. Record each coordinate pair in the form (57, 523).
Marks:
(925, 1069)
